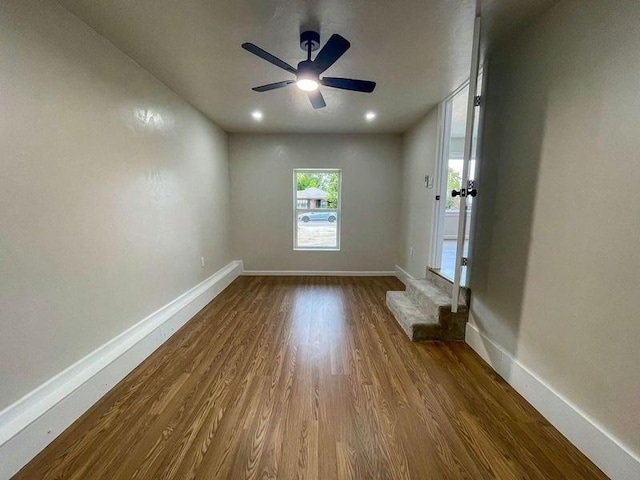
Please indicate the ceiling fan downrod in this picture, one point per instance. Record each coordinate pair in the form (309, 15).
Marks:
(309, 42)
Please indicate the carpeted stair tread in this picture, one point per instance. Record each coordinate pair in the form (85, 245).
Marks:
(424, 312)
(412, 320)
(438, 296)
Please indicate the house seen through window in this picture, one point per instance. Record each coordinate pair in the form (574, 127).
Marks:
(317, 209)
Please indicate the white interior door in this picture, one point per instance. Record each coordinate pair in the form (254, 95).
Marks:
(467, 190)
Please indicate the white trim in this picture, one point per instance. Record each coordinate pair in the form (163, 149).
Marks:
(443, 164)
(594, 441)
(403, 275)
(316, 273)
(31, 423)
(437, 226)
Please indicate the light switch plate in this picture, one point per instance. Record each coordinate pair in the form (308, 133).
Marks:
(428, 181)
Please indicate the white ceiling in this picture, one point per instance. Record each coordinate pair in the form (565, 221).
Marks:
(417, 51)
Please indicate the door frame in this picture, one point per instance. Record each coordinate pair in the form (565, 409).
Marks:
(442, 151)
(442, 169)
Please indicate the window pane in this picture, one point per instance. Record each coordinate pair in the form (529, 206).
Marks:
(318, 225)
(317, 234)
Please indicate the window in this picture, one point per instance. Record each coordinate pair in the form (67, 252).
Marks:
(316, 219)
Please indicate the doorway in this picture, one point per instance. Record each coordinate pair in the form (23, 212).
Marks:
(451, 162)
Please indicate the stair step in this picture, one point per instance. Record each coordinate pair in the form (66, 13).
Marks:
(424, 312)
(414, 323)
(447, 285)
(438, 280)
(429, 298)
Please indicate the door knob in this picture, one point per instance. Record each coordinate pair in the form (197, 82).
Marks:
(463, 193)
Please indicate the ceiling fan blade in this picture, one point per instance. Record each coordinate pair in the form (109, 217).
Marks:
(250, 47)
(332, 51)
(273, 86)
(317, 100)
(349, 84)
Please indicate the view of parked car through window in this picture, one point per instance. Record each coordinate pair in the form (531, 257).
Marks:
(318, 217)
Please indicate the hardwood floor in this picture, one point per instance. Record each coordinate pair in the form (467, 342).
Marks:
(309, 377)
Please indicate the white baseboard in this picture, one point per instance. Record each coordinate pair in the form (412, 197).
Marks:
(30, 424)
(403, 275)
(316, 273)
(601, 448)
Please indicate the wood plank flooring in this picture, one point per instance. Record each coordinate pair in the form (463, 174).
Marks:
(309, 377)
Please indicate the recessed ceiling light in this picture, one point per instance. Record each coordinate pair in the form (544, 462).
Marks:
(370, 116)
(257, 115)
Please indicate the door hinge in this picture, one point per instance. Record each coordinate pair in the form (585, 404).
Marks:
(477, 100)
(465, 261)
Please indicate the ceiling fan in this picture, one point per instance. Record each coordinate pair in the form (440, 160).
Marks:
(308, 71)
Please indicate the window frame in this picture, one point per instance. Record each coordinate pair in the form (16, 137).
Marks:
(297, 211)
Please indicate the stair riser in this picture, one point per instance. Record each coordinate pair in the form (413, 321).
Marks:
(453, 326)
(426, 333)
(450, 329)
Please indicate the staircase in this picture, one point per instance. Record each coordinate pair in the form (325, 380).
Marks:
(424, 309)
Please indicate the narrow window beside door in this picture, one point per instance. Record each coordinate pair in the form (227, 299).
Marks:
(316, 200)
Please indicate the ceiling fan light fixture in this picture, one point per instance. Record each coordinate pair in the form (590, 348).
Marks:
(307, 79)
(307, 84)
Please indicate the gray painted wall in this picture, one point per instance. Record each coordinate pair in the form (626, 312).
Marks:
(417, 215)
(556, 262)
(111, 189)
(262, 199)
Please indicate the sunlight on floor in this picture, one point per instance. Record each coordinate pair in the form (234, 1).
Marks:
(449, 260)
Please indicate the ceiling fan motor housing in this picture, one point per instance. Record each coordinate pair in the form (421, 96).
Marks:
(310, 37)
(306, 68)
